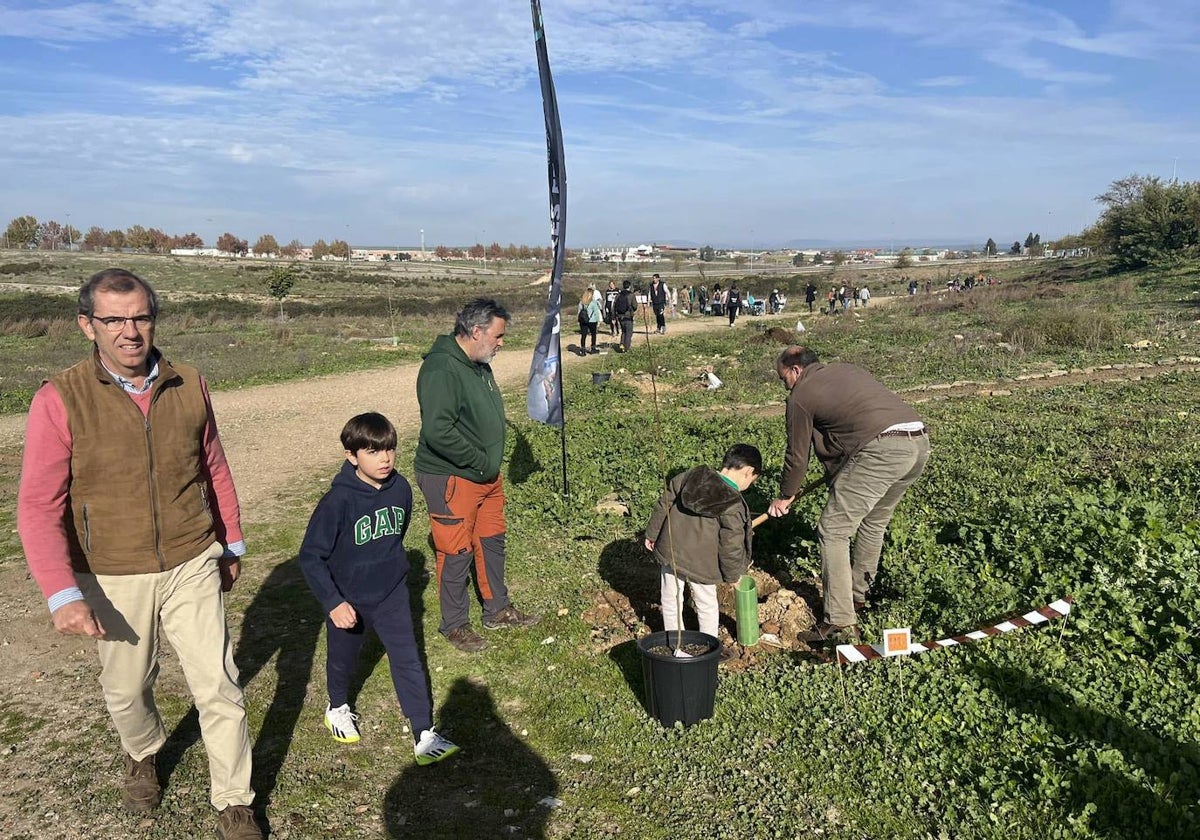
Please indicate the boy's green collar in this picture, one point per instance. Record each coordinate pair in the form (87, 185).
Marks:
(729, 481)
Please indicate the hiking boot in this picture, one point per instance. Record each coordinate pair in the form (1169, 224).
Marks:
(237, 823)
(141, 791)
(826, 633)
(433, 747)
(342, 724)
(510, 616)
(465, 639)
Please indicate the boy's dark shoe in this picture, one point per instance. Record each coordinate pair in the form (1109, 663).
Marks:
(862, 606)
(141, 791)
(237, 823)
(465, 639)
(826, 633)
(508, 617)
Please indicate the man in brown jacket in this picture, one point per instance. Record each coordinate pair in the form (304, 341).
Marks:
(872, 446)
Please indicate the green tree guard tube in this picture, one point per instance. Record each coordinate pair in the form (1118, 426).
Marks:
(746, 593)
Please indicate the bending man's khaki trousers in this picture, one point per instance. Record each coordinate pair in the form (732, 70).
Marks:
(861, 503)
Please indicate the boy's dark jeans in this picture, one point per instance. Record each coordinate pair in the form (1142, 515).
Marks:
(391, 619)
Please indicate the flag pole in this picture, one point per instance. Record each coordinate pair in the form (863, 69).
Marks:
(545, 396)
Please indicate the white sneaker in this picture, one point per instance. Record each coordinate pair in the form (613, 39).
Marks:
(433, 747)
(342, 723)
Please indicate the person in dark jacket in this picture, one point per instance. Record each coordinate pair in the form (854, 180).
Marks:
(354, 561)
(610, 299)
(733, 303)
(625, 310)
(700, 534)
(873, 446)
(658, 302)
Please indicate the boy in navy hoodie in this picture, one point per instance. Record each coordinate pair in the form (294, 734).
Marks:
(354, 561)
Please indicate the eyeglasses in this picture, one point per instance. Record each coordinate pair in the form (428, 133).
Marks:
(115, 323)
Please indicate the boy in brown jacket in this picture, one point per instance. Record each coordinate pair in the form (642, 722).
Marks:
(700, 534)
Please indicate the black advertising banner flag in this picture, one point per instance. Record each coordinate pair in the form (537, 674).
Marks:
(544, 400)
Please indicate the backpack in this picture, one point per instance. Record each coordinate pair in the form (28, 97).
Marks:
(623, 305)
(583, 315)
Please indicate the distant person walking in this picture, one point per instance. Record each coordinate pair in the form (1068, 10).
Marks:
(658, 302)
(732, 303)
(589, 320)
(625, 310)
(610, 298)
(810, 295)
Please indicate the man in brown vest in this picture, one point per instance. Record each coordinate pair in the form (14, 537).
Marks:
(130, 524)
(873, 446)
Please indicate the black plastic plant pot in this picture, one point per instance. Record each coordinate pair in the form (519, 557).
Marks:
(679, 689)
(599, 378)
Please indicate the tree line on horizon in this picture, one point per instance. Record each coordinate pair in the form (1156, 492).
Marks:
(1145, 221)
(52, 235)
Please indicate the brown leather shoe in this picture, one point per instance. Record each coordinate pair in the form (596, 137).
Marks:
(510, 616)
(465, 639)
(862, 606)
(825, 633)
(141, 791)
(237, 823)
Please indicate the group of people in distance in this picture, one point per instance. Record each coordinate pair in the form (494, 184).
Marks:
(131, 526)
(844, 295)
(618, 307)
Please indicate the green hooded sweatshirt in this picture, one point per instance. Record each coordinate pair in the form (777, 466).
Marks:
(462, 415)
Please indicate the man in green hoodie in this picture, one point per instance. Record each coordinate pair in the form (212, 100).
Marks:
(458, 470)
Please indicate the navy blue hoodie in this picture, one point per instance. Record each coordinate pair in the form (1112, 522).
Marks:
(353, 550)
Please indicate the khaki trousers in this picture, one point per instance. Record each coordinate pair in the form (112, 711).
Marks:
(187, 604)
(704, 599)
(861, 503)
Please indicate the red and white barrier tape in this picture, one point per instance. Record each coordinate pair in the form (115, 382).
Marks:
(1058, 609)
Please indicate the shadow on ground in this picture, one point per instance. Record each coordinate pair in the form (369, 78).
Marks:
(495, 787)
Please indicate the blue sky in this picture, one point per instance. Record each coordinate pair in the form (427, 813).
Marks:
(731, 122)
